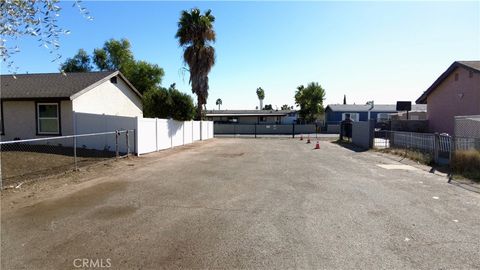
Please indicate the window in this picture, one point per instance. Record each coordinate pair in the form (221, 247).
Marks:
(382, 117)
(113, 80)
(262, 119)
(352, 116)
(48, 121)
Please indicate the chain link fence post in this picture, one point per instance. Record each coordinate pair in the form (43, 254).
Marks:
(116, 144)
(75, 161)
(128, 143)
(436, 147)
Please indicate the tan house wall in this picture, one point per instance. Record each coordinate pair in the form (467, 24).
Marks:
(19, 119)
(453, 98)
(110, 99)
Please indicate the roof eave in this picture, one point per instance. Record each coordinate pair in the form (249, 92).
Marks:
(423, 98)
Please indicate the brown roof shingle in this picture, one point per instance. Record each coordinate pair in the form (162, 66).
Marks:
(49, 85)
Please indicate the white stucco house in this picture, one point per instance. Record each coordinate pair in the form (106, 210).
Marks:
(40, 105)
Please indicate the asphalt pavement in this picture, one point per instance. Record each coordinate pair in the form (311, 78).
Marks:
(250, 203)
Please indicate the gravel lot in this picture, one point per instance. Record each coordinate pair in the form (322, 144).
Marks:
(244, 203)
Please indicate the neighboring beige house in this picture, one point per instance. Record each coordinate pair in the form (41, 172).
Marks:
(455, 93)
(411, 115)
(252, 116)
(39, 105)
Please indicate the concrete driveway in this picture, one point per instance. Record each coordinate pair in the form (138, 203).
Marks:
(247, 203)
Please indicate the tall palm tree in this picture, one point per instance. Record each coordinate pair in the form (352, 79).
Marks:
(261, 96)
(195, 34)
(219, 102)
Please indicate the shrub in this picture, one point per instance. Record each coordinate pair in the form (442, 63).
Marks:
(168, 103)
(467, 163)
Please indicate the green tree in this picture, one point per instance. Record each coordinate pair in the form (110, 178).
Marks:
(268, 107)
(168, 103)
(310, 99)
(261, 96)
(144, 75)
(80, 62)
(285, 107)
(183, 108)
(219, 102)
(195, 34)
(157, 103)
(117, 55)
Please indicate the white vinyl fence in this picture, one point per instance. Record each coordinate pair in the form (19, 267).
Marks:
(151, 134)
(86, 123)
(155, 134)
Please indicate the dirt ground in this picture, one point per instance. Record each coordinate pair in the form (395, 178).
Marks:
(244, 203)
(24, 166)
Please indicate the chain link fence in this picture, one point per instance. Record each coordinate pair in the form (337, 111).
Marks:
(439, 147)
(255, 130)
(24, 160)
(467, 126)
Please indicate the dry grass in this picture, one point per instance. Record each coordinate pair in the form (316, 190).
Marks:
(418, 156)
(467, 164)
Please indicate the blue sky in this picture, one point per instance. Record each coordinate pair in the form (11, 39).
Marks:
(381, 51)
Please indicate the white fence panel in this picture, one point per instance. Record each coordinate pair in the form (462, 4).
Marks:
(204, 130)
(154, 134)
(85, 123)
(176, 132)
(146, 135)
(188, 132)
(93, 123)
(210, 129)
(163, 137)
(196, 130)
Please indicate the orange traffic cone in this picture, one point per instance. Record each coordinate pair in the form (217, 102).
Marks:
(301, 137)
(317, 146)
(308, 140)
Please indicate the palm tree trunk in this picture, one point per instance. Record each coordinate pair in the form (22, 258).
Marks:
(199, 109)
(219, 107)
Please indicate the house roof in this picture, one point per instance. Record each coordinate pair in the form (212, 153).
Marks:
(469, 65)
(247, 112)
(54, 85)
(366, 108)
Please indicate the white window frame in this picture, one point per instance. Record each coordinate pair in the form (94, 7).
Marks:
(57, 118)
(355, 119)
